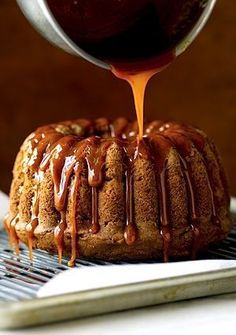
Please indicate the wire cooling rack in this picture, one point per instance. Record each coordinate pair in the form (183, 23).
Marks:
(20, 279)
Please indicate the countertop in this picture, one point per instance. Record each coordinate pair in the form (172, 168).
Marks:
(199, 316)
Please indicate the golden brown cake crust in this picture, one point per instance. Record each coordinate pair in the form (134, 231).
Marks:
(88, 189)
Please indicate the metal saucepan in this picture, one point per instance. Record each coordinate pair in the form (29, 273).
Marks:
(39, 14)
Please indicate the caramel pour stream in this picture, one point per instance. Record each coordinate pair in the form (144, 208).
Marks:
(138, 82)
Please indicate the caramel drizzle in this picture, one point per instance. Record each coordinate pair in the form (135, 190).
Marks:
(11, 230)
(184, 149)
(30, 228)
(74, 230)
(95, 157)
(61, 166)
(39, 148)
(32, 225)
(37, 144)
(64, 156)
(95, 222)
(193, 218)
(133, 151)
(165, 230)
(199, 140)
(61, 171)
(160, 148)
(183, 138)
(210, 184)
(59, 235)
(130, 233)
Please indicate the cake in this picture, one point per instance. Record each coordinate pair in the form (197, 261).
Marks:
(90, 189)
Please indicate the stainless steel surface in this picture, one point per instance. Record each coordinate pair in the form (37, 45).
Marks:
(40, 16)
(118, 298)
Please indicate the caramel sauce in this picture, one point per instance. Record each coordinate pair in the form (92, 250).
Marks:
(32, 225)
(59, 234)
(138, 83)
(95, 225)
(130, 232)
(30, 228)
(164, 220)
(66, 157)
(10, 225)
(73, 218)
(138, 79)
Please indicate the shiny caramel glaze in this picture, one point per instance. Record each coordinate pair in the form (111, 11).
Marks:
(73, 151)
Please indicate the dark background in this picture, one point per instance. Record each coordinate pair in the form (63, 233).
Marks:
(40, 83)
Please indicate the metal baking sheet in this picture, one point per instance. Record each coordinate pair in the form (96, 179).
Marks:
(20, 280)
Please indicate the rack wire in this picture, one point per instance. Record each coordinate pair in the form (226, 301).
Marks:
(20, 279)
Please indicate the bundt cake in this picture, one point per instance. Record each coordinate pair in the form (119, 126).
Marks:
(92, 190)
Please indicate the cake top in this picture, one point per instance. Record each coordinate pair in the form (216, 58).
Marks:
(119, 128)
(66, 143)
